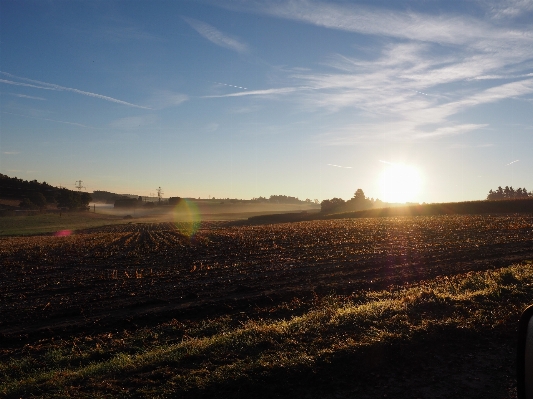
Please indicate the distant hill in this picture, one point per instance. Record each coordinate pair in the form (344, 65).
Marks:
(107, 197)
(17, 189)
(35, 195)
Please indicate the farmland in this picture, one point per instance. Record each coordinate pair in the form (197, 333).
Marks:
(289, 309)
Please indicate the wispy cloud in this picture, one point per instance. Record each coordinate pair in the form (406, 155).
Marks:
(339, 166)
(47, 119)
(441, 28)
(214, 35)
(510, 163)
(508, 8)
(10, 152)
(52, 86)
(28, 97)
(450, 130)
(408, 91)
(264, 93)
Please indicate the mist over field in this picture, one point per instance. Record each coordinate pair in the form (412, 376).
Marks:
(204, 210)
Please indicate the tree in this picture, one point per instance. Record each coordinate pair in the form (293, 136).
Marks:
(73, 200)
(508, 193)
(331, 205)
(39, 200)
(359, 201)
(27, 204)
(359, 195)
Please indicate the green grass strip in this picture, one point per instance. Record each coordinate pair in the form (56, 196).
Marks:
(472, 300)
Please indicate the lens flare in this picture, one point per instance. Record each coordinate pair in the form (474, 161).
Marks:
(62, 233)
(187, 217)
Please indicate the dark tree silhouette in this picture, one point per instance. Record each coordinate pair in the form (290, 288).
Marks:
(27, 204)
(39, 200)
(358, 202)
(508, 193)
(331, 205)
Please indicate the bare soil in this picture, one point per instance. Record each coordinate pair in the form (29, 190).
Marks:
(127, 276)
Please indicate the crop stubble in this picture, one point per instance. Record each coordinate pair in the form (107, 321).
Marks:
(126, 275)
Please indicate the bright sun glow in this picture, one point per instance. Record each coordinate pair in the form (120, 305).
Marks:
(400, 183)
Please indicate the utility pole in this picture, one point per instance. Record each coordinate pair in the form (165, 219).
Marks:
(78, 185)
(159, 194)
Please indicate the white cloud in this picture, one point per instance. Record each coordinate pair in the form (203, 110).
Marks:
(431, 68)
(29, 97)
(500, 9)
(450, 130)
(263, 93)
(10, 152)
(442, 28)
(214, 35)
(52, 86)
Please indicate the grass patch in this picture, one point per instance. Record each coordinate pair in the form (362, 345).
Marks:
(180, 357)
(52, 222)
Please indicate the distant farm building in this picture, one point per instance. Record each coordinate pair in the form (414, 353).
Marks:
(174, 200)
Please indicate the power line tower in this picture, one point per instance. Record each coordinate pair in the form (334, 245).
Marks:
(159, 194)
(78, 185)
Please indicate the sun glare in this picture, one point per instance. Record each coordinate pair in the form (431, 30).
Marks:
(400, 183)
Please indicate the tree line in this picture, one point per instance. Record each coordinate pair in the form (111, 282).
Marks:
(284, 199)
(508, 193)
(359, 202)
(35, 195)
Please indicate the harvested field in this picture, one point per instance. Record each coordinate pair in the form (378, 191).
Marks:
(133, 277)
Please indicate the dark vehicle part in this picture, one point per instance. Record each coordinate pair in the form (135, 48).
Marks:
(525, 355)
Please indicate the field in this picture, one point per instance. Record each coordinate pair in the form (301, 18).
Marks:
(400, 307)
(188, 211)
(48, 223)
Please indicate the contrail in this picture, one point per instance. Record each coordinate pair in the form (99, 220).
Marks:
(510, 163)
(53, 86)
(256, 92)
(10, 82)
(225, 84)
(339, 166)
(387, 162)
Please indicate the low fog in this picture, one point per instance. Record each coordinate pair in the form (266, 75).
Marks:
(194, 210)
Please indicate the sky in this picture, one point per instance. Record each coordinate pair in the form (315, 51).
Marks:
(241, 99)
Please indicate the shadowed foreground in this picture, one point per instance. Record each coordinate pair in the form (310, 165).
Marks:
(403, 307)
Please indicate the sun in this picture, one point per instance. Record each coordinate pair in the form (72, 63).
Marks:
(400, 183)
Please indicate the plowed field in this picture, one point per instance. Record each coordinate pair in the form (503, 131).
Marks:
(123, 276)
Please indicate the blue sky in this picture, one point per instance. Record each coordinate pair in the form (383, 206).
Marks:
(243, 99)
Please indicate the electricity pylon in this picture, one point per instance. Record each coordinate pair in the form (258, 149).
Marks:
(78, 185)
